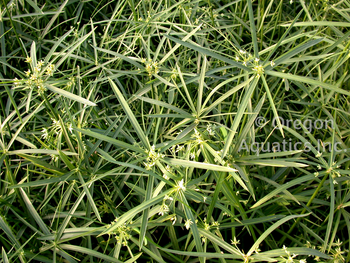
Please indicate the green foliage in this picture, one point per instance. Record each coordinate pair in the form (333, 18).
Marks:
(174, 131)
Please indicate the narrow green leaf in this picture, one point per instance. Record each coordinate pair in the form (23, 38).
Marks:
(307, 80)
(183, 113)
(130, 115)
(293, 250)
(201, 85)
(144, 221)
(209, 53)
(34, 213)
(53, 19)
(6, 228)
(294, 51)
(61, 178)
(24, 122)
(274, 163)
(4, 254)
(35, 6)
(69, 95)
(270, 229)
(95, 253)
(285, 186)
(38, 151)
(111, 140)
(129, 215)
(237, 120)
(171, 51)
(199, 165)
(269, 155)
(205, 111)
(253, 29)
(66, 160)
(40, 163)
(54, 47)
(319, 23)
(193, 226)
(215, 239)
(272, 104)
(89, 197)
(67, 219)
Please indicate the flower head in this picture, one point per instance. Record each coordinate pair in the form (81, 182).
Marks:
(16, 82)
(192, 155)
(180, 185)
(234, 242)
(173, 219)
(44, 133)
(259, 69)
(164, 209)
(188, 223)
(28, 73)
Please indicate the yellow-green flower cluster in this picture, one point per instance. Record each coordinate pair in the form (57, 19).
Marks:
(152, 158)
(249, 61)
(259, 69)
(188, 223)
(34, 75)
(169, 170)
(180, 186)
(122, 233)
(56, 128)
(207, 226)
(211, 129)
(70, 82)
(151, 67)
(164, 209)
(197, 136)
(50, 69)
(174, 75)
(290, 258)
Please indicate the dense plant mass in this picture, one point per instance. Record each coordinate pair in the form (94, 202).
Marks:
(174, 131)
